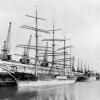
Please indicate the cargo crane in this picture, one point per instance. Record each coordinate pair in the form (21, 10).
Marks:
(5, 56)
(25, 57)
(45, 60)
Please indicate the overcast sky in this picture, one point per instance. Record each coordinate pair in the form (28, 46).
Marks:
(78, 19)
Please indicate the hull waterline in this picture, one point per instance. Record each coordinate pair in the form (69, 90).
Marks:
(44, 83)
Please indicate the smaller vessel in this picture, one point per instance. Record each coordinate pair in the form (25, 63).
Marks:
(85, 75)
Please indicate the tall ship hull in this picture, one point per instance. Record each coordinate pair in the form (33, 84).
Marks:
(6, 80)
(11, 78)
(44, 83)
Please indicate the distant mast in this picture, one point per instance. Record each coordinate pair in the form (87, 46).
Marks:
(64, 54)
(73, 61)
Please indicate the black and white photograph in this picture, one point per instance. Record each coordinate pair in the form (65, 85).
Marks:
(49, 49)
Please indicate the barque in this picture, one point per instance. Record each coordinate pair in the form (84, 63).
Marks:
(41, 73)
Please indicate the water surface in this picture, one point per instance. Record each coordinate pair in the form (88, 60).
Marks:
(76, 91)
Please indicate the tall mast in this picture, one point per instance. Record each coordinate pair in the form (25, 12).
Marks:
(36, 29)
(53, 43)
(73, 68)
(53, 46)
(36, 35)
(70, 57)
(64, 55)
(45, 54)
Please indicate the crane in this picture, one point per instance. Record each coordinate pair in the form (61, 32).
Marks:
(25, 56)
(6, 47)
(45, 60)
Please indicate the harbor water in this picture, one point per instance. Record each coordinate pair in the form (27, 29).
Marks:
(75, 91)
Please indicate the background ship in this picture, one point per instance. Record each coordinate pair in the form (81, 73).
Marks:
(85, 74)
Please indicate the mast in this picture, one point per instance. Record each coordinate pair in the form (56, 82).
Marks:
(53, 46)
(53, 43)
(36, 29)
(36, 35)
(70, 58)
(73, 68)
(45, 54)
(64, 55)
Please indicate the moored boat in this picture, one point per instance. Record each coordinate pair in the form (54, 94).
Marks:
(85, 78)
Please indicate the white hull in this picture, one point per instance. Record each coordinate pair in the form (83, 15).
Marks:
(44, 83)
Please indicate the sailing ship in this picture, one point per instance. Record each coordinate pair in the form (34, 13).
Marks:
(43, 71)
(84, 75)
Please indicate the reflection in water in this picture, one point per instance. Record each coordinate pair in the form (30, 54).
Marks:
(58, 93)
(43, 93)
(77, 91)
(17, 94)
(8, 93)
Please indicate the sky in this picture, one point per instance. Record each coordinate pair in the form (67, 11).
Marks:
(78, 19)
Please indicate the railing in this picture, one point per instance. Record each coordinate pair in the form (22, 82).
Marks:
(13, 67)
